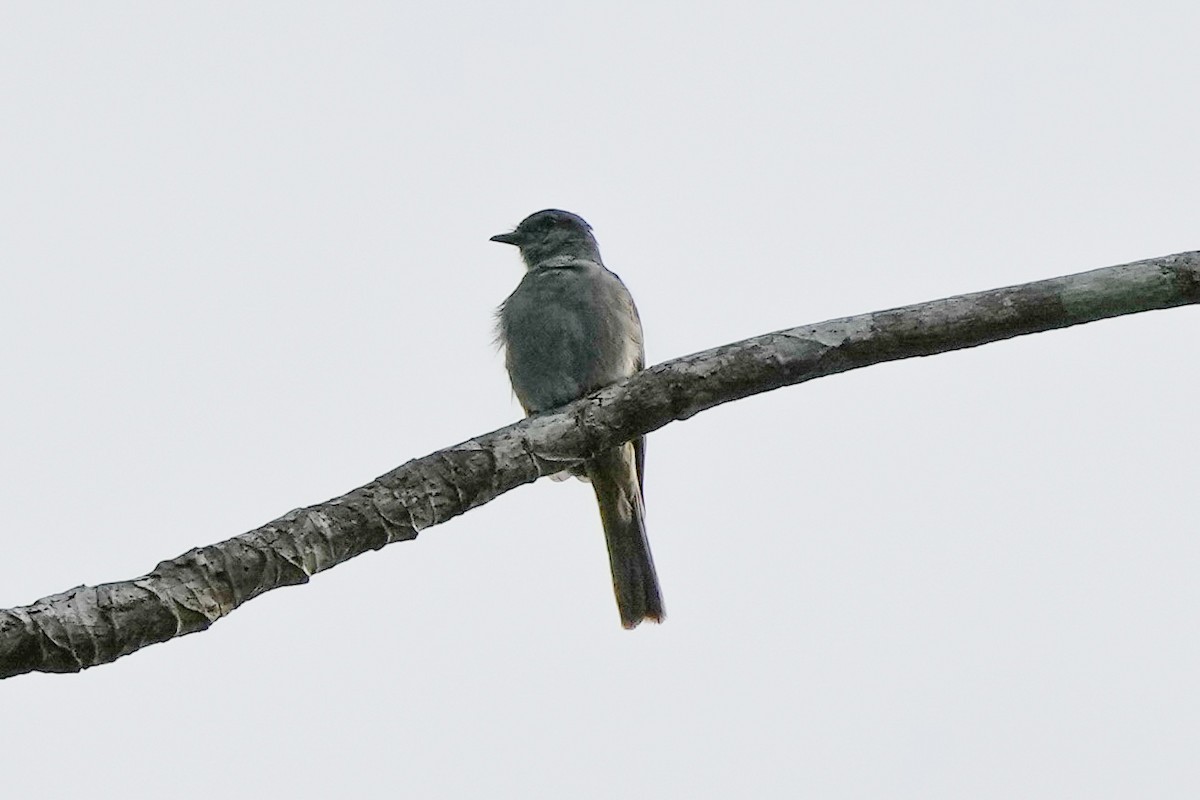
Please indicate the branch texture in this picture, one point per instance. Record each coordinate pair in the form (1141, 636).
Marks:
(91, 625)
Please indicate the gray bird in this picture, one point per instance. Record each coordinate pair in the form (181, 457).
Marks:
(568, 329)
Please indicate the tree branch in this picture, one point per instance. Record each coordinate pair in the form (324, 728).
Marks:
(92, 625)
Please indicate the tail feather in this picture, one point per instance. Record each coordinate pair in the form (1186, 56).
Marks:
(618, 492)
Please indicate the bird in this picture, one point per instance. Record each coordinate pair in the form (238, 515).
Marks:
(568, 329)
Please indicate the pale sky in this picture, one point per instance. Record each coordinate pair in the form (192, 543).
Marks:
(246, 268)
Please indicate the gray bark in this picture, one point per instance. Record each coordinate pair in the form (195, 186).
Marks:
(91, 625)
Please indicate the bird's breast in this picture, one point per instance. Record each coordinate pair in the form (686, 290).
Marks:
(568, 331)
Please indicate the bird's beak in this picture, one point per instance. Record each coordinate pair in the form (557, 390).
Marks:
(506, 238)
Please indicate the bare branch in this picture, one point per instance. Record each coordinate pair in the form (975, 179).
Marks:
(92, 625)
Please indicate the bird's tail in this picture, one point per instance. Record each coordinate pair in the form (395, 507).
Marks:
(615, 480)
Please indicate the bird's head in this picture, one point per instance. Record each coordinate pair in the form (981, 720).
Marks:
(552, 233)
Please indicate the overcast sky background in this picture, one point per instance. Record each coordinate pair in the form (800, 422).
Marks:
(246, 268)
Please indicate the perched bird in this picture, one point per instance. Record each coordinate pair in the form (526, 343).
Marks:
(568, 329)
